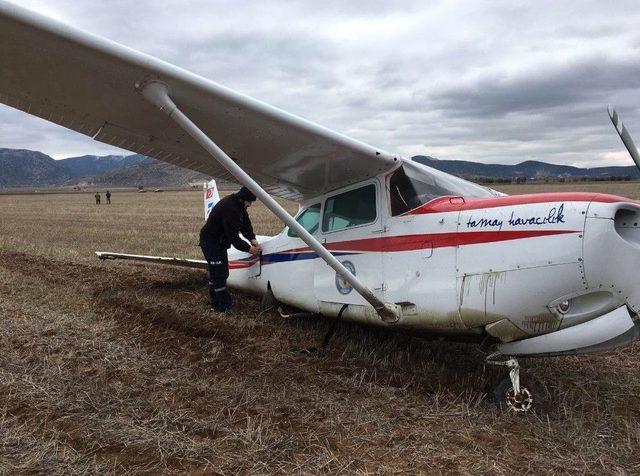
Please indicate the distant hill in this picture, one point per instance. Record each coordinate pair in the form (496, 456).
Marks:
(149, 173)
(95, 164)
(26, 168)
(530, 169)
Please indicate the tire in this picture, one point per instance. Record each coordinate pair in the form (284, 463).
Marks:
(532, 399)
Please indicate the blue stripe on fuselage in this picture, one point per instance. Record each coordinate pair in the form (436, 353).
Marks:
(282, 257)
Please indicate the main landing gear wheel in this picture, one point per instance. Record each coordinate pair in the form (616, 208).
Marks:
(518, 394)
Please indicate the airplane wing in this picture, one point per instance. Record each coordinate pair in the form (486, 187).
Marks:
(111, 93)
(88, 84)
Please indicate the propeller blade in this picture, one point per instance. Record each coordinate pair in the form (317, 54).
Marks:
(624, 135)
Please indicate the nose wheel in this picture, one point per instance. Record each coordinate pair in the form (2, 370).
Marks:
(516, 393)
(519, 402)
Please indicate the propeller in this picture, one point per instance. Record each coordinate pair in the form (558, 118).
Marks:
(624, 135)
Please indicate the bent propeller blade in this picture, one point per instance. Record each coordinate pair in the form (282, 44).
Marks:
(624, 135)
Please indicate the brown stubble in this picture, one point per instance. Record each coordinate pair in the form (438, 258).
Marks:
(111, 367)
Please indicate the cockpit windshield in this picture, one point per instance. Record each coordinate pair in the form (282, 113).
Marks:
(407, 192)
(413, 185)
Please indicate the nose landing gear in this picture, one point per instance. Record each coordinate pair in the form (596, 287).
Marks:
(519, 402)
(515, 394)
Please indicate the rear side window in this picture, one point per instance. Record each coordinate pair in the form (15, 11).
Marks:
(309, 219)
(352, 208)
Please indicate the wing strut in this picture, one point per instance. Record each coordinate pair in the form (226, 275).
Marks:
(157, 93)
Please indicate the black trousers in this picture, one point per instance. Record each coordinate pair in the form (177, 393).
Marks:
(218, 266)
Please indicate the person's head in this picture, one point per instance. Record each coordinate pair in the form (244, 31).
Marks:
(246, 196)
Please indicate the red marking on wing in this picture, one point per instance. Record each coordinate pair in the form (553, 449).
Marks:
(452, 204)
(209, 193)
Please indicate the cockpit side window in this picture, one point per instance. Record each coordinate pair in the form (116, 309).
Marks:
(309, 219)
(352, 208)
(407, 192)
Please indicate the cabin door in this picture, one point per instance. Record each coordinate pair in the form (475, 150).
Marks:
(351, 227)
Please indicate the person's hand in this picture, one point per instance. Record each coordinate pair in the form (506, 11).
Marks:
(254, 242)
(255, 250)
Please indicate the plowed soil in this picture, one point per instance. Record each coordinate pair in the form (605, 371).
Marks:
(119, 368)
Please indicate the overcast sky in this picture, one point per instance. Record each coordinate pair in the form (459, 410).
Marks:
(495, 82)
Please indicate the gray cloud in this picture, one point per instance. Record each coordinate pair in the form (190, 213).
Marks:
(503, 82)
(593, 79)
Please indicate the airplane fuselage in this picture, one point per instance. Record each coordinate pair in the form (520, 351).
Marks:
(513, 266)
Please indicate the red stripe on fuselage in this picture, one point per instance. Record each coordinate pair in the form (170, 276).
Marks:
(389, 244)
(454, 204)
(241, 264)
(432, 240)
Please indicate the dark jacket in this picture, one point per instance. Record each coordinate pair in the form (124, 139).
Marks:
(227, 219)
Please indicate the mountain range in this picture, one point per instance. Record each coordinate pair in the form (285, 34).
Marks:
(27, 168)
(530, 170)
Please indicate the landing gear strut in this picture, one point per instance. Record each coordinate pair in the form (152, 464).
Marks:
(516, 394)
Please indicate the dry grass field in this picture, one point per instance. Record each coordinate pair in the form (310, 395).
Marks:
(109, 367)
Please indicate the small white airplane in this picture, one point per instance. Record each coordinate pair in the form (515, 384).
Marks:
(378, 239)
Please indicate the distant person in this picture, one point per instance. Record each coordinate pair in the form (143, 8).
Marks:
(108, 195)
(97, 195)
(227, 219)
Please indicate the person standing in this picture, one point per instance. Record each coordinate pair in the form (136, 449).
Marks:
(108, 195)
(97, 195)
(227, 220)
